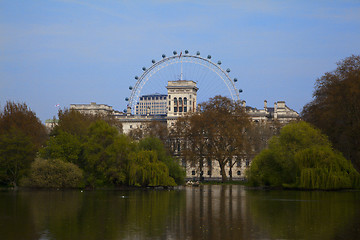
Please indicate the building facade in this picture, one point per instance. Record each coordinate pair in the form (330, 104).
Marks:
(155, 104)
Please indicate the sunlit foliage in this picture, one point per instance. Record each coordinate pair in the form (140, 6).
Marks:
(302, 157)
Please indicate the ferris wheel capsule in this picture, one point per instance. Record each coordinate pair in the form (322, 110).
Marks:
(153, 61)
(240, 90)
(126, 99)
(219, 62)
(198, 53)
(163, 56)
(144, 68)
(130, 87)
(235, 79)
(174, 52)
(186, 51)
(228, 70)
(136, 77)
(124, 110)
(209, 56)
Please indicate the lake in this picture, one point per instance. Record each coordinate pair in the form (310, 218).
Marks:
(205, 212)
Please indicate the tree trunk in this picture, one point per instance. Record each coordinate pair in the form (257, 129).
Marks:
(223, 173)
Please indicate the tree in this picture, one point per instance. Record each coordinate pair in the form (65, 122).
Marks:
(302, 157)
(77, 123)
(19, 116)
(336, 107)
(216, 132)
(21, 135)
(145, 169)
(156, 145)
(16, 154)
(54, 173)
(64, 146)
(105, 153)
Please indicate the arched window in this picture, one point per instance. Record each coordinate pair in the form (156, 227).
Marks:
(185, 101)
(180, 101)
(175, 101)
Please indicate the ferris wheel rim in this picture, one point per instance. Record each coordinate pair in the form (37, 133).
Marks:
(136, 90)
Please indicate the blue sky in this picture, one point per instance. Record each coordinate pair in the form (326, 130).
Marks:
(74, 51)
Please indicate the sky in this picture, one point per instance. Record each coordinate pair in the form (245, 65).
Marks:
(74, 51)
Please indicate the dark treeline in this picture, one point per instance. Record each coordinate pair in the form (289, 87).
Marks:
(81, 151)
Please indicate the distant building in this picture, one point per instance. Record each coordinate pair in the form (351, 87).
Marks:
(155, 104)
(93, 108)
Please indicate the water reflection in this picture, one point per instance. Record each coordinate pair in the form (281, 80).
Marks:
(206, 212)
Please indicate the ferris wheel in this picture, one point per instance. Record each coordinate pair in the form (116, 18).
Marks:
(208, 75)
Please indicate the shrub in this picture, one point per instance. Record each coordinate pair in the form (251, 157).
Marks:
(54, 173)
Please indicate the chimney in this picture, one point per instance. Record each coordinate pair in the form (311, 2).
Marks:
(275, 110)
(265, 105)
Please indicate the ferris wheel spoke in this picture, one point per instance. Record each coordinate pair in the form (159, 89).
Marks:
(186, 67)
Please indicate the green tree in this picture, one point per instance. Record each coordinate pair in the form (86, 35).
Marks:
(21, 135)
(19, 116)
(336, 107)
(156, 145)
(16, 154)
(54, 173)
(77, 123)
(100, 155)
(302, 157)
(64, 146)
(145, 169)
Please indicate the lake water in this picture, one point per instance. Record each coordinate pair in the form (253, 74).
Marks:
(205, 212)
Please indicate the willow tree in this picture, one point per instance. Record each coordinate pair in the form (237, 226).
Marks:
(215, 133)
(302, 157)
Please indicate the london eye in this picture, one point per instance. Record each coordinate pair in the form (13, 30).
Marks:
(210, 77)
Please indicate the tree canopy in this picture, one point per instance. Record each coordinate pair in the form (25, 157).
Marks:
(107, 157)
(335, 108)
(21, 135)
(302, 157)
(215, 132)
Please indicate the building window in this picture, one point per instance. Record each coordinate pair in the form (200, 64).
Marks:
(180, 101)
(169, 96)
(185, 101)
(180, 109)
(238, 163)
(193, 173)
(130, 126)
(238, 173)
(247, 163)
(175, 101)
(175, 109)
(209, 173)
(185, 109)
(169, 103)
